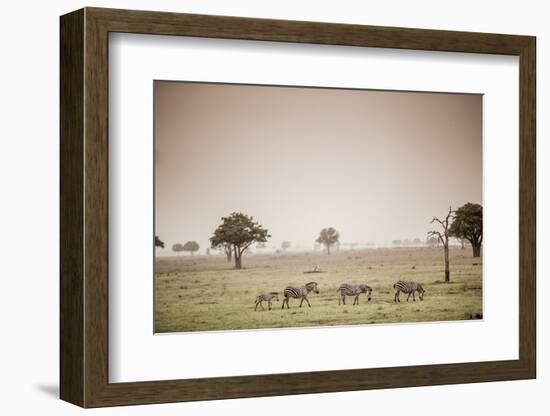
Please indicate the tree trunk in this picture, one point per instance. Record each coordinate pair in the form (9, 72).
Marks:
(328, 249)
(228, 254)
(237, 254)
(447, 272)
(477, 249)
(238, 262)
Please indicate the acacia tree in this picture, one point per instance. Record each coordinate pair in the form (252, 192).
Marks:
(285, 245)
(191, 246)
(328, 237)
(443, 237)
(177, 248)
(468, 225)
(239, 231)
(159, 242)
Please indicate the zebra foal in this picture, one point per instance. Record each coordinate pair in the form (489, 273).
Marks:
(346, 289)
(408, 287)
(266, 297)
(299, 293)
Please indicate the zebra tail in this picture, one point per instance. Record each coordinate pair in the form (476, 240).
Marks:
(394, 285)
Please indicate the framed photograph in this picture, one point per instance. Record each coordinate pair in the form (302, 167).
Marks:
(255, 207)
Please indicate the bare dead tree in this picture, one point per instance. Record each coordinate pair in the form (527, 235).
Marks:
(444, 238)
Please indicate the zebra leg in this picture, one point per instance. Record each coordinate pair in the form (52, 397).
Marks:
(396, 297)
(307, 302)
(301, 301)
(414, 299)
(268, 305)
(256, 307)
(408, 296)
(344, 299)
(339, 300)
(356, 300)
(262, 306)
(285, 300)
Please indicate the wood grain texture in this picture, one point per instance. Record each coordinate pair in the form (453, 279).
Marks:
(527, 208)
(96, 208)
(71, 208)
(84, 207)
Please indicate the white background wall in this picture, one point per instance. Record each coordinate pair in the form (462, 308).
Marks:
(29, 158)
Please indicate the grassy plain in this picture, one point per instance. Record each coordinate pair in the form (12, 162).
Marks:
(204, 293)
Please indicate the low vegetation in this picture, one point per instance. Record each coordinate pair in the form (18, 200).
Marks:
(206, 293)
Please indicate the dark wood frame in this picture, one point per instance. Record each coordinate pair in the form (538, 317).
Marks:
(84, 207)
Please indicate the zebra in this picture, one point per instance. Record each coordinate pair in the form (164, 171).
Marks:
(410, 288)
(346, 289)
(299, 293)
(267, 297)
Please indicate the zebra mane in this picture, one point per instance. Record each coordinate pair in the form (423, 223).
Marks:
(312, 283)
(273, 293)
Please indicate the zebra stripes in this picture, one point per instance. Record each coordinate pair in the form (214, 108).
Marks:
(299, 293)
(346, 289)
(408, 287)
(266, 297)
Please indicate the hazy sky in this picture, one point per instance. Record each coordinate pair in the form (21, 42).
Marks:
(375, 165)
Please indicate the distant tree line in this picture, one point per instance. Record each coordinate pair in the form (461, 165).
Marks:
(191, 247)
(238, 232)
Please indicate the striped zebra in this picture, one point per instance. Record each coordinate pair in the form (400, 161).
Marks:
(266, 297)
(346, 289)
(299, 293)
(410, 288)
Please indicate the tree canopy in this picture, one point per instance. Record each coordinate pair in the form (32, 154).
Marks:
(159, 242)
(239, 231)
(176, 248)
(468, 224)
(328, 237)
(191, 246)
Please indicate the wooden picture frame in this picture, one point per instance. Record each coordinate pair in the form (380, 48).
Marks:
(84, 207)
